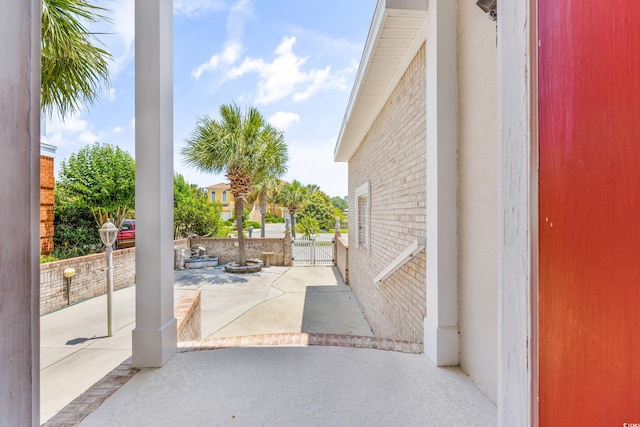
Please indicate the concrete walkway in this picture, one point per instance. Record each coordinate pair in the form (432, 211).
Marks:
(75, 352)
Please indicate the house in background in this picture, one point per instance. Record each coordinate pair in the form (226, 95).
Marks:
(222, 193)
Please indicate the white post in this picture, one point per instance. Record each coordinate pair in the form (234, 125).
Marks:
(154, 337)
(518, 215)
(441, 341)
(110, 291)
(20, 213)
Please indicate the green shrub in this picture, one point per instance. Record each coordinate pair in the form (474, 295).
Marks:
(251, 224)
(47, 258)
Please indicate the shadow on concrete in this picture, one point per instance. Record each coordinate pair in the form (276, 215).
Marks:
(76, 341)
(206, 276)
(333, 310)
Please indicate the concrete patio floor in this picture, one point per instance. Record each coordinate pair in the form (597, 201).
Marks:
(296, 386)
(334, 384)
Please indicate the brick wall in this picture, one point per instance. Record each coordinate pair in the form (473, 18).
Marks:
(226, 251)
(342, 258)
(392, 158)
(188, 316)
(89, 281)
(47, 183)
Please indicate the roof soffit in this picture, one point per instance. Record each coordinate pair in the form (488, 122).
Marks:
(397, 31)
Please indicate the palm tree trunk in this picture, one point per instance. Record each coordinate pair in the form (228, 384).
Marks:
(292, 213)
(242, 257)
(263, 214)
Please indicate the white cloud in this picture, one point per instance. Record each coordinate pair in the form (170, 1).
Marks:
(195, 7)
(239, 14)
(118, 129)
(133, 123)
(70, 132)
(87, 137)
(285, 76)
(228, 56)
(283, 120)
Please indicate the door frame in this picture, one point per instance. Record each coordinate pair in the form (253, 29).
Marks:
(518, 213)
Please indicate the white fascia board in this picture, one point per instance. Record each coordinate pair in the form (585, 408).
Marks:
(349, 138)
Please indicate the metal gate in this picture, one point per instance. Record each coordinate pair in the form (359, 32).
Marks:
(313, 250)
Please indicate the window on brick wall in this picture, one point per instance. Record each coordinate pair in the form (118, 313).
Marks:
(363, 207)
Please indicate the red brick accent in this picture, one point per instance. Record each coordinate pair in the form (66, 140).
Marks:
(47, 183)
(72, 414)
(301, 339)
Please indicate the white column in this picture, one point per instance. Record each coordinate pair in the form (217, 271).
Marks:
(20, 213)
(154, 337)
(518, 215)
(441, 341)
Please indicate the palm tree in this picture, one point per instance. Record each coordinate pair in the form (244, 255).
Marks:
(73, 68)
(293, 197)
(263, 191)
(243, 146)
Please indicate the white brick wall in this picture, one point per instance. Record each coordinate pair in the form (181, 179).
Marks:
(392, 157)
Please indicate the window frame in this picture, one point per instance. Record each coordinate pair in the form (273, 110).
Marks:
(363, 241)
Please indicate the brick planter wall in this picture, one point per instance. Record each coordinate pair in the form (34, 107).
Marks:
(90, 279)
(226, 250)
(188, 316)
(342, 258)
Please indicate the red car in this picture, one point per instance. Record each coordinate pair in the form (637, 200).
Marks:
(126, 235)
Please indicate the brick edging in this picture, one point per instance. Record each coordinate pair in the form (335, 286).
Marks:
(303, 339)
(72, 414)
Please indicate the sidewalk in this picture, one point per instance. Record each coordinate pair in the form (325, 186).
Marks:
(75, 352)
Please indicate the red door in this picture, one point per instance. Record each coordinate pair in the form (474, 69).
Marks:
(589, 189)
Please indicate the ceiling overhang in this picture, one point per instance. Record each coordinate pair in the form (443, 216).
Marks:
(397, 32)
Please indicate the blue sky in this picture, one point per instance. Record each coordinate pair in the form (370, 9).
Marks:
(295, 61)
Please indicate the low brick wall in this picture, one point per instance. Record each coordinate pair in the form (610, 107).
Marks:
(89, 281)
(342, 258)
(226, 250)
(188, 316)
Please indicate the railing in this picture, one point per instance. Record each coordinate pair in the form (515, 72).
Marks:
(414, 249)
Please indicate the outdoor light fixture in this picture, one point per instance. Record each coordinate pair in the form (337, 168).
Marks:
(68, 273)
(108, 235)
(490, 7)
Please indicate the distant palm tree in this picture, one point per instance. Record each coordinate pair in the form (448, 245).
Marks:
(262, 192)
(293, 196)
(74, 68)
(243, 146)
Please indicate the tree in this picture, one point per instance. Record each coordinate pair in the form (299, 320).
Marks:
(243, 146)
(74, 68)
(192, 212)
(263, 192)
(320, 208)
(293, 196)
(340, 203)
(99, 176)
(308, 226)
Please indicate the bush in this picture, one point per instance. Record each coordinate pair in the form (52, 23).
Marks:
(251, 224)
(47, 258)
(228, 223)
